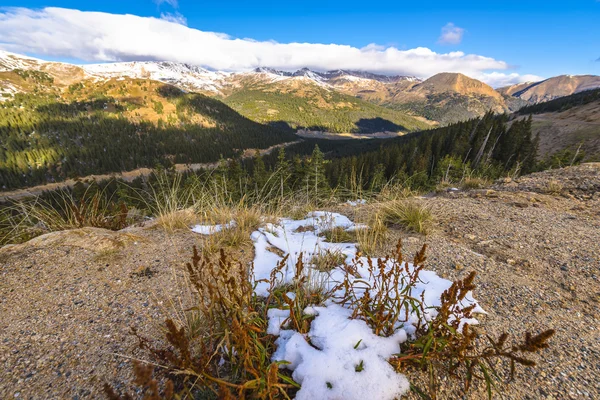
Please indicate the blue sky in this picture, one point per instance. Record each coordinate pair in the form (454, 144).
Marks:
(543, 38)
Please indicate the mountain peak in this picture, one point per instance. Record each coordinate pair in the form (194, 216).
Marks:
(551, 88)
(458, 83)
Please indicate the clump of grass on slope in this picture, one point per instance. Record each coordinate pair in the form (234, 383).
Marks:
(20, 221)
(413, 215)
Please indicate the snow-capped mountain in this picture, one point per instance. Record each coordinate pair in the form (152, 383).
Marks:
(329, 76)
(10, 61)
(186, 76)
(474, 97)
(195, 78)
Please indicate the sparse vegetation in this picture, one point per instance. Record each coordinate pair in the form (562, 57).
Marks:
(340, 235)
(373, 235)
(61, 210)
(232, 356)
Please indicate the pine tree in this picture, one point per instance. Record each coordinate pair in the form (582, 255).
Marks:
(282, 172)
(260, 172)
(316, 179)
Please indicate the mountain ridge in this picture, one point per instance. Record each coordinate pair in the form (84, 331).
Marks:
(444, 97)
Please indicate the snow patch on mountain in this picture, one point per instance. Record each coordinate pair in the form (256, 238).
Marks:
(183, 75)
(10, 61)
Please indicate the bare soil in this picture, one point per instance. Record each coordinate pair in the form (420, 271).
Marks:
(68, 299)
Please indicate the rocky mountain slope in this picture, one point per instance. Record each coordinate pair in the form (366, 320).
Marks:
(68, 299)
(570, 123)
(558, 86)
(292, 101)
(444, 98)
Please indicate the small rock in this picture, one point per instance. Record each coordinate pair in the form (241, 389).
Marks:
(458, 267)
(470, 236)
(510, 261)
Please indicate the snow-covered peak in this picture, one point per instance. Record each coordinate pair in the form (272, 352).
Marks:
(271, 71)
(185, 75)
(195, 78)
(10, 61)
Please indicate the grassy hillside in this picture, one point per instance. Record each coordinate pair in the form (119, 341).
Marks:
(118, 126)
(445, 108)
(315, 108)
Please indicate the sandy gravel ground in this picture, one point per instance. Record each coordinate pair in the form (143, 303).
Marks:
(68, 299)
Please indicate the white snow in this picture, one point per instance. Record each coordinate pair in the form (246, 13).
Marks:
(339, 358)
(185, 75)
(295, 237)
(342, 347)
(10, 61)
(212, 229)
(354, 203)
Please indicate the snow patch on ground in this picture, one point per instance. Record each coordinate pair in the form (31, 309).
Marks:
(345, 361)
(212, 229)
(356, 202)
(340, 358)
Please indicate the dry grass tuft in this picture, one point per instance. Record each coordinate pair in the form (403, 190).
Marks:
(474, 182)
(326, 261)
(176, 220)
(554, 188)
(413, 215)
(339, 235)
(246, 220)
(372, 238)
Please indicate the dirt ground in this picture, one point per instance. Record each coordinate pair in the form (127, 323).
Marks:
(68, 299)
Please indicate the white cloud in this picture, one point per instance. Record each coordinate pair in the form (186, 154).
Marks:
(451, 34)
(176, 17)
(500, 79)
(97, 36)
(172, 3)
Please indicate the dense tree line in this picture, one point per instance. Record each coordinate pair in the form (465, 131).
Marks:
(43, 139)
(488, 146)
